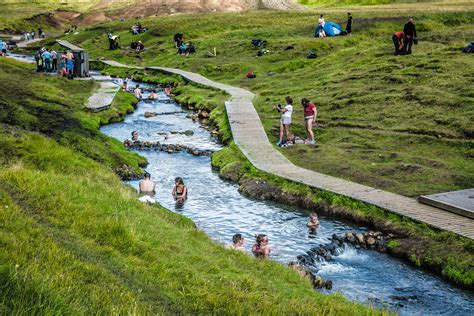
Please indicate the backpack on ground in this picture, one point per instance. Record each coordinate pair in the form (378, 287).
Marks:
(311, 55)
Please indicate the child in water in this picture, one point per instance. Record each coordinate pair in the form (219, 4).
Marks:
(261, 248)
(313, 221)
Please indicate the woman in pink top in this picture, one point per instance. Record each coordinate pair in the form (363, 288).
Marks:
(310, 113)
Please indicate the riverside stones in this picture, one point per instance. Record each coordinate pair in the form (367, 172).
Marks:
(305, 273)
(169, 148)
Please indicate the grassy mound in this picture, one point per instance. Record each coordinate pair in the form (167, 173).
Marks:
(75, 240)
(401, 124)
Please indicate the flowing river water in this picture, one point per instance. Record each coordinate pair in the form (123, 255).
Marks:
(217, 207)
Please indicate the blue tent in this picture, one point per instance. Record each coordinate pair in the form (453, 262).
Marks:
(331, 29)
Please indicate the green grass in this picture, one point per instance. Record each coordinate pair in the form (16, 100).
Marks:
(75, 240)
(402, 124)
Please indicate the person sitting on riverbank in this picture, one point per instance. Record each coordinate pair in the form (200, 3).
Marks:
(168, 90)
(237, 243)
(261, 249)
(285, 120)
(178, 40)
(146, 186)
(183, 48)
(191, 49)
(180, 192)
(153, 95)
(140, 46)
(313, 222)
(138, 92)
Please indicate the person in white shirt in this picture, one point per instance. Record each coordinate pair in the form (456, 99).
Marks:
(237, 243)
(285, 121)
(322, 22)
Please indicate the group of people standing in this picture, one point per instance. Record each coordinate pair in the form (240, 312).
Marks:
(31, 35)
(310, 115)
(404, 40)
(47, 60)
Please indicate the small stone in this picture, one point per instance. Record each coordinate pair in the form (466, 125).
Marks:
(370, 241)
(360, 238)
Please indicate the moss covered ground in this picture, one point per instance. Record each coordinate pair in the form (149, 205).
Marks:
(74, 239)
(402, 124)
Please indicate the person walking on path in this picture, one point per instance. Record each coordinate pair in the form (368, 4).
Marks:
(54, 58)
(32, 34)
(349, 23)
(46, 60)
(397, 39)
(310, 114)
(285, 119)
(410, 35)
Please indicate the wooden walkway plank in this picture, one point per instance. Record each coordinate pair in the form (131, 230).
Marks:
(251, 138)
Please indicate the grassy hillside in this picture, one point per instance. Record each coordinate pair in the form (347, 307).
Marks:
(398, 123)
(74, 240)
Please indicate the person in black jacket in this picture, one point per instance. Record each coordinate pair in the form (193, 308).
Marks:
(410, 35)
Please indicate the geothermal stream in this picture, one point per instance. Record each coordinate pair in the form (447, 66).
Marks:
(220, 210)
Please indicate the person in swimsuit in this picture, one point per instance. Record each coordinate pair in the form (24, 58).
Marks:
(310, 113)
(135, 136)
(313, 221)
(237, 243)
(138, 92)
(146, 186)
(153, 95)
(180, 192)
(261, 248)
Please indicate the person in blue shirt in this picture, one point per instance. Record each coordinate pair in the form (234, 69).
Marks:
(46, 60)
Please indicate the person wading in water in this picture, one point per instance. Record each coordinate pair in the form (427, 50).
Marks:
(180, 192)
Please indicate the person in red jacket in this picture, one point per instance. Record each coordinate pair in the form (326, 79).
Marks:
(398, 42)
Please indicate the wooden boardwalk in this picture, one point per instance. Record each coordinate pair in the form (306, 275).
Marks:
(103, 97)
(249, 135)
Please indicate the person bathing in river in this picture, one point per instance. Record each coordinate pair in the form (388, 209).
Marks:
(146, 186)
(153, 95)
(313, 221)
(135, 136)
(261, 249)
(180, 192)
(168, 90)
(138, 92)
(237, 243)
